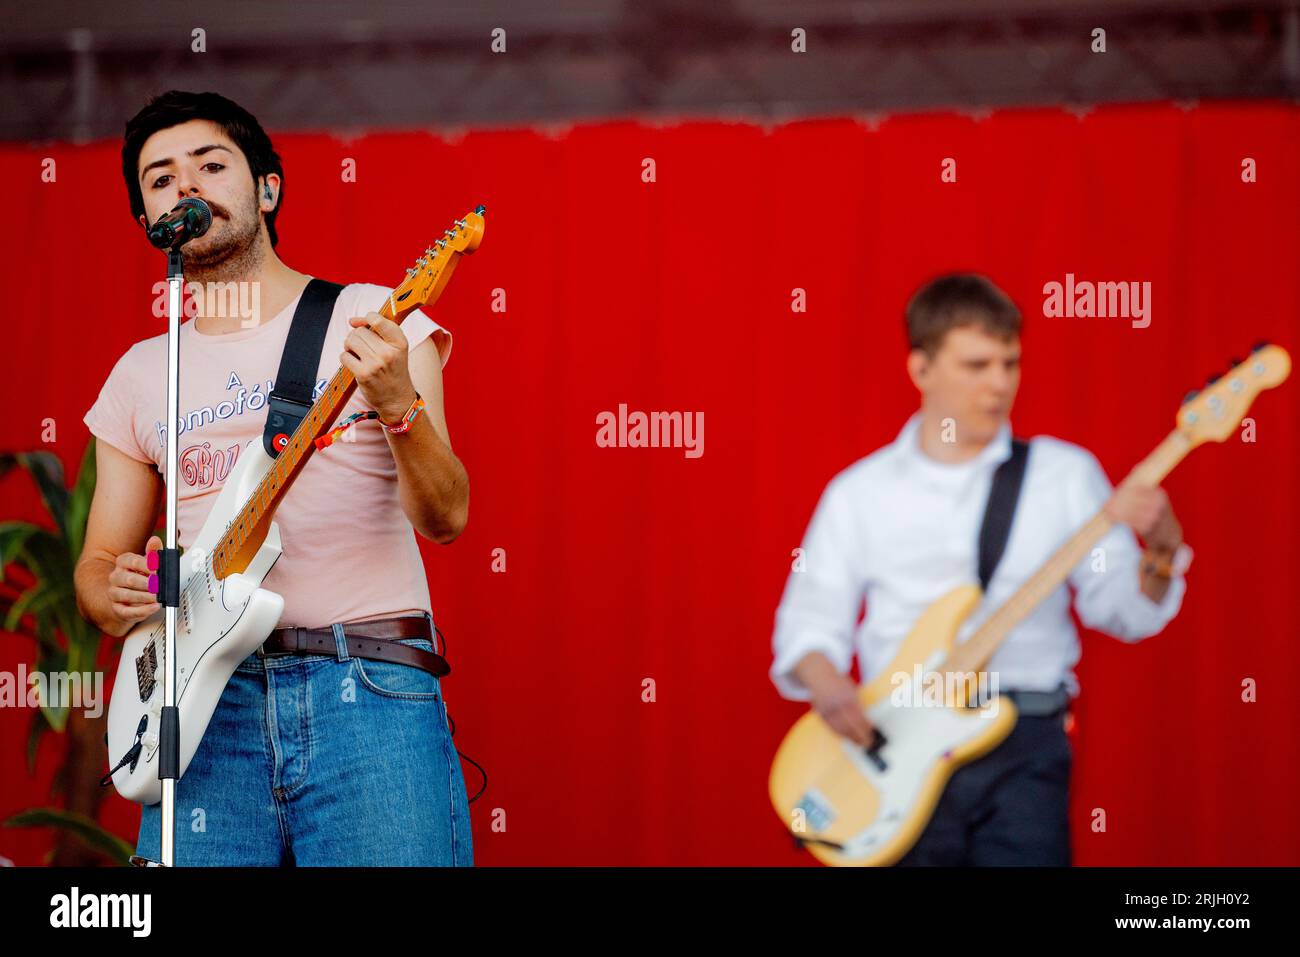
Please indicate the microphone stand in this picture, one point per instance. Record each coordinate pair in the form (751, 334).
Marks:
(169, 758)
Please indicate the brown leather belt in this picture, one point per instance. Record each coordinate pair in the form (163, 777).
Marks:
(365, 639)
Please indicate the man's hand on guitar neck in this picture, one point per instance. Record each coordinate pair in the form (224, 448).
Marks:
(1146, 510)
(834, 697)
(433, 486)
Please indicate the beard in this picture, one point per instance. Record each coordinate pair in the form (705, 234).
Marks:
(231, 250)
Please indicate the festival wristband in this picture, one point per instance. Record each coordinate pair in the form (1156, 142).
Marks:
(1165, 568)
(404, 423)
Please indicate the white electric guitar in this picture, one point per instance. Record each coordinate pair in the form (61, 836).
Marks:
(851, 805)
(224, 612)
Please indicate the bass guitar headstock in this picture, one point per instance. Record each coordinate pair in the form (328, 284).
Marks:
(1213, 413)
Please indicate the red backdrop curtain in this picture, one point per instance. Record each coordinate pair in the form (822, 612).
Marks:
(627, 564)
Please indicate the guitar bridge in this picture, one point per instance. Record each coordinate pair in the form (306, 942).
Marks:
(146, 666)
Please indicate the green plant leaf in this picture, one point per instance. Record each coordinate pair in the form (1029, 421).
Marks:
(31, 597)
(46, 555)
(83, 492)
(35, 731)
(47, 627)
(52, 660)
(46, 471)
(13, 537)
(57, 718)
(50, 555)
(83, 828)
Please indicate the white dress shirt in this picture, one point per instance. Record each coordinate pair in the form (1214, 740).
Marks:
(901, 530)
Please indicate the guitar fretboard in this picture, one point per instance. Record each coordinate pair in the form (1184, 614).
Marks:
(232, 553)
(972, 655)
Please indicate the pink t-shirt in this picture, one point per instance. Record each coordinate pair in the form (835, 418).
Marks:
(349, 552)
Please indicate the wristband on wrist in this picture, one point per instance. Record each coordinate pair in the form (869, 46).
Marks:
(1161, 567)
(404, 423)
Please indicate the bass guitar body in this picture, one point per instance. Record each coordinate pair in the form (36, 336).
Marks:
(867, 806)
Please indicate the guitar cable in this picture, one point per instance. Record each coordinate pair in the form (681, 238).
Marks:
(442, 640)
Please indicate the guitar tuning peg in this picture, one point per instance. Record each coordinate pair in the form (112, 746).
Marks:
(1211, 380)
(1262, 344)
(1234, 362)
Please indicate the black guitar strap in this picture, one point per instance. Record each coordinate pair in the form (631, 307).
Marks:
(291, 399)
(1000, 510)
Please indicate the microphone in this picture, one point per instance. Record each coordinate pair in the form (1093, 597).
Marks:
(189, 219)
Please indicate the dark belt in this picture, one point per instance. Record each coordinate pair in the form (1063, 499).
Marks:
(365, 639)
(1040, 704)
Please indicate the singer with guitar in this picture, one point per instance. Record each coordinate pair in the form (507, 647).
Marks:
(902, 527)
(330, 744)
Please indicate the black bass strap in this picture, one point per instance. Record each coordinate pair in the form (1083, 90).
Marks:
(1000, 510)
(291, 399)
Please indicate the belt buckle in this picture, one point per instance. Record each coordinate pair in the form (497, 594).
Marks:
(263, 654)
(296, 633)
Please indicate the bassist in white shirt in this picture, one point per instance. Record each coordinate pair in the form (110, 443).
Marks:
(899, 528)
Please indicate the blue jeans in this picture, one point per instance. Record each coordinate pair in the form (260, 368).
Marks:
(318, 760)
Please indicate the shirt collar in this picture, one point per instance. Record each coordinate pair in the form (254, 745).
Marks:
(908, 444)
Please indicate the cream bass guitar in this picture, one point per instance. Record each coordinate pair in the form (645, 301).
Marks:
(224, 612)
(852, 805)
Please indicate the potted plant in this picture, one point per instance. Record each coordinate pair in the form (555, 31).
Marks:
(38, 599)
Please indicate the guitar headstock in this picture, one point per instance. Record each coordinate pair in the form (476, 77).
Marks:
(1213, 413)
(422, 278)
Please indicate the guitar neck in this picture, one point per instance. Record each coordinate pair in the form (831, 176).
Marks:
(249, 529)
(972, 655)
(424, 283)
